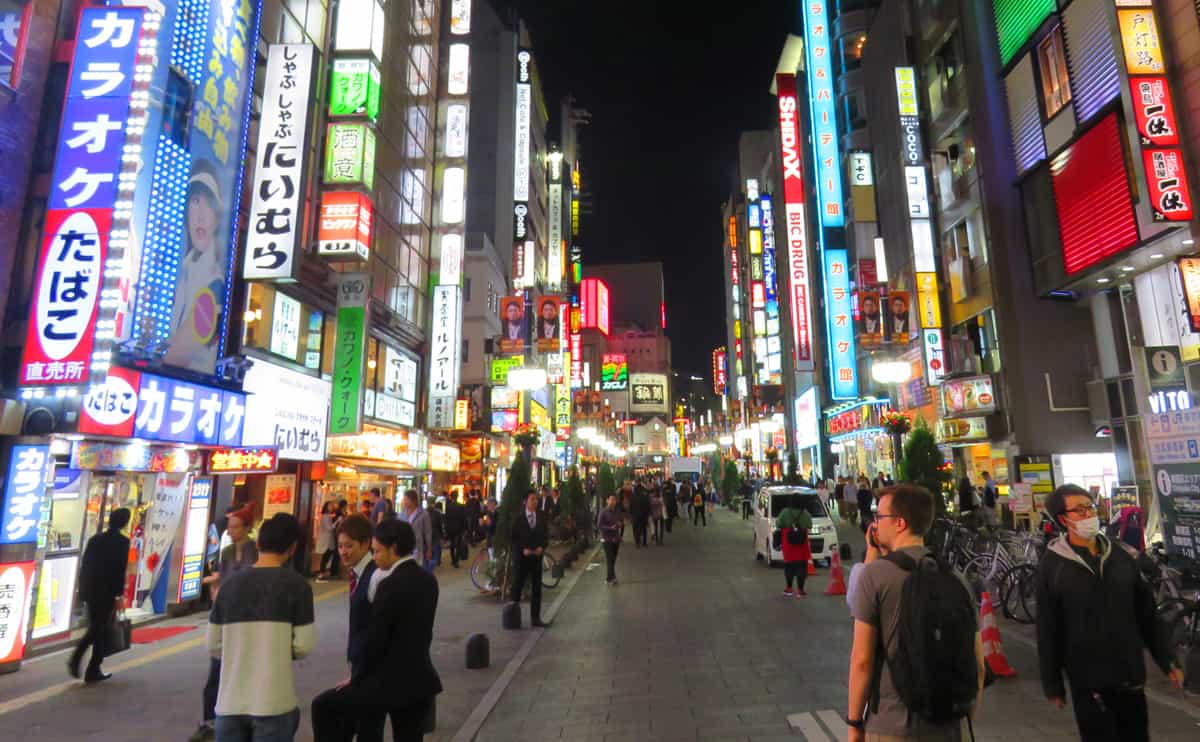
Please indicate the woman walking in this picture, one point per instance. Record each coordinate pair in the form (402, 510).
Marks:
(656, 514)
(794, 524)
(326, 545)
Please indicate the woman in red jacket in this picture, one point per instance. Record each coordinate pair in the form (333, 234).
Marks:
(794, 524)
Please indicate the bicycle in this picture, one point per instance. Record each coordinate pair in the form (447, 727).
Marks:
(1183, 616)
(489, 565)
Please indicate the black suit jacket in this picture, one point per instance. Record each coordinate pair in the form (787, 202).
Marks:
(524, 537)
(102, 572)
(396, 670)
(360, 619)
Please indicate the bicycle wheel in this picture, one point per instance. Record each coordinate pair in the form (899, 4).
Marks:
(1020, 601)
(479, 572)
(549, 581)
(975, 573)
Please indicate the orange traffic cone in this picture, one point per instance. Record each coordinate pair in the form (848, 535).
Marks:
(993, 651)
(837, 585)
(812, 570)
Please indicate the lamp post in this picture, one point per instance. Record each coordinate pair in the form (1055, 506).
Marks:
(893, 374)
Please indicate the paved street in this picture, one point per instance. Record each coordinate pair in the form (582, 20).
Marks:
(696, 642)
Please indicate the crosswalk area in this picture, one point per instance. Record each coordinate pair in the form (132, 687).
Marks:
(826, 725)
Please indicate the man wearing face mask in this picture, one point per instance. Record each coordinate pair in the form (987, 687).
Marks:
(1095, 618)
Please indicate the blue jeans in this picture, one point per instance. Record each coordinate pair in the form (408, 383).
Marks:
(242, 728)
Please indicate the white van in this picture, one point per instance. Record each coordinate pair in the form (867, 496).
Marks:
(770, 501)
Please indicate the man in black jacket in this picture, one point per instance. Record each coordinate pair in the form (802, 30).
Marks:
(474, 509)
(1095, 617)
(456, 526)
(639, 510)
(529, 539)
(354, 547)
(670, 503)
(101, 585)
(396, 677)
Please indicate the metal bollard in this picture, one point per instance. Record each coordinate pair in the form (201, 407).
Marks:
(479, 652)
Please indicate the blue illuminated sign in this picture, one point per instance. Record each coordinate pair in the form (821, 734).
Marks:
(839, 321)
(187, 204)
(753, 216)
(823, 113)
(768, 256)
(24, 491)
(183, 412)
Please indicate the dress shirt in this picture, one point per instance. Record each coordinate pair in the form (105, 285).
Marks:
(359, 568)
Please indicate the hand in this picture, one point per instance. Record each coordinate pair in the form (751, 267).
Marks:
(342, 684)
(873, 552)
(1059, 701)
(855, 735)
(1176, 677)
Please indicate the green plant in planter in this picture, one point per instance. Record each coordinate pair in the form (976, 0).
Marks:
(606, 482)
(574, 507)
(924, 464)
(731, 482)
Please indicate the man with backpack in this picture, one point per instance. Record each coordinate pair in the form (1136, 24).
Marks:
(698, 506)
(1095, 618)
(916, 666)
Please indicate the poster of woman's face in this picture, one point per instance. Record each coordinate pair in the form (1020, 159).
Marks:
(512, 324)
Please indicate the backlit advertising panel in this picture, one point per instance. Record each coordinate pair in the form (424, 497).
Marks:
(444, 347)
(614, 373)
(524, 112)
(85, 186)
(823, 111)
(797, 239)
(843, 373)
(276, 219)
(24, 490)
(349, 351)
(195, 539)
(594, 312)
(344, 226)
(354, 88)
(1189, 273)
(15, 599)
(186, 207)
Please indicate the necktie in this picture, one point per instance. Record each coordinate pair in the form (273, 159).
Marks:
(353, 581)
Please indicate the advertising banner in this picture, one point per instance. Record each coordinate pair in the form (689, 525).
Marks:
(968, 397)
(276, 219)
(346, 402)
(354, 88)
(280, 495)
(648, 394)
(195, 539)
(548, 329)
(1178, 490)
(350, 155)
(184, 412)
(614, 373)
(1189, 271)
(286, 409)
(870, 322)
(794, 194)
(29, 469)
(823, 112)
(514, 328)
(898, 327)
(16, 593)
(444, 347)
(843, 373)
(344, 226)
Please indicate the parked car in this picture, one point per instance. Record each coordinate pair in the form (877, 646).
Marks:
(770, 501)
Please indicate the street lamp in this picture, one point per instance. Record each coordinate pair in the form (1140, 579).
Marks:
(891, 372)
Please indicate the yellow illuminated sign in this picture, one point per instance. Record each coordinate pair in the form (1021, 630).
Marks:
(927, 299)
(756, 242)
(1139, 36)
(906, 91)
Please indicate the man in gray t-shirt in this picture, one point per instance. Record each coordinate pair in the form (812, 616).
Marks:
(904, 515)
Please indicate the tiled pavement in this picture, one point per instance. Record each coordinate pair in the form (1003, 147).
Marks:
(696, 642)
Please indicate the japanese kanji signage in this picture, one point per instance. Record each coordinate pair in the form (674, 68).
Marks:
(354, 88)
(286, 409)
(344, 231)
(276, 217)
(346, 402)
(822, 108)
(243, 460)
(445, 341)
(195, 538)
(843, 373)
(1154, 113)
(109, 408)
(24, 490)
(796, 227)
(16, 592)
(350, 155)
(83, 192)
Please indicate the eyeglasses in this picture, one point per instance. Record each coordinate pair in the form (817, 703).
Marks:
(1083, 510)
(881, 516)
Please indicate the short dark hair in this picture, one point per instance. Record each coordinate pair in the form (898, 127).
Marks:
(356, 527)
(1056, 501)
(375, 491)
(531, 493)
(118, 519)
(412, 495)
(278, 533)
(396, 534)
(914, 504)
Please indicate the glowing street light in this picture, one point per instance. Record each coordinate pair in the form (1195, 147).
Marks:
(525, 379)
(891, 372)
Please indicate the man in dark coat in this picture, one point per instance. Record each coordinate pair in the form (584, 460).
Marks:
(639, 509)
(101, 585)
(456, 526)
(529, 538)
(670, 503)
(396, 678)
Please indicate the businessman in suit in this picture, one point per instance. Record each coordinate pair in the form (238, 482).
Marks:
(529, 540)
(101, 586)
(395, 677)
(354, 548)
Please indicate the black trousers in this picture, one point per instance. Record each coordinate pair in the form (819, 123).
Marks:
(698, 514)
(670, 521)
(455, 538)
(797, 571)
(100, 613)
(640, 527)
(211, 686)
(610, 558)
(1117, 715)
(341, 714)
(658, 530)
(528, 568)
(331, 562)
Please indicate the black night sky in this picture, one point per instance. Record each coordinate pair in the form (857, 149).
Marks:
(670, 84)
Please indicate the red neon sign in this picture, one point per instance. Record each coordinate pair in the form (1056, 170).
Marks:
(793, 199)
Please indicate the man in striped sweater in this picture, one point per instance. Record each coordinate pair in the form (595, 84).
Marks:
(262, 620)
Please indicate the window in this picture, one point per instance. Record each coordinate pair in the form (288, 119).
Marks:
(1052, 63)
(177, 108)
(467, 291)
(14, 28)
(282, 326)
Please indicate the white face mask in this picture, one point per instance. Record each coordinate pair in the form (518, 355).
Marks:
(1086, 528)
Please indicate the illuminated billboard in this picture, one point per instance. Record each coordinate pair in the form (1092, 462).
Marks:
(843, 373)
(823, 113)
(594, 311)
(797, 238)
(614, 372)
